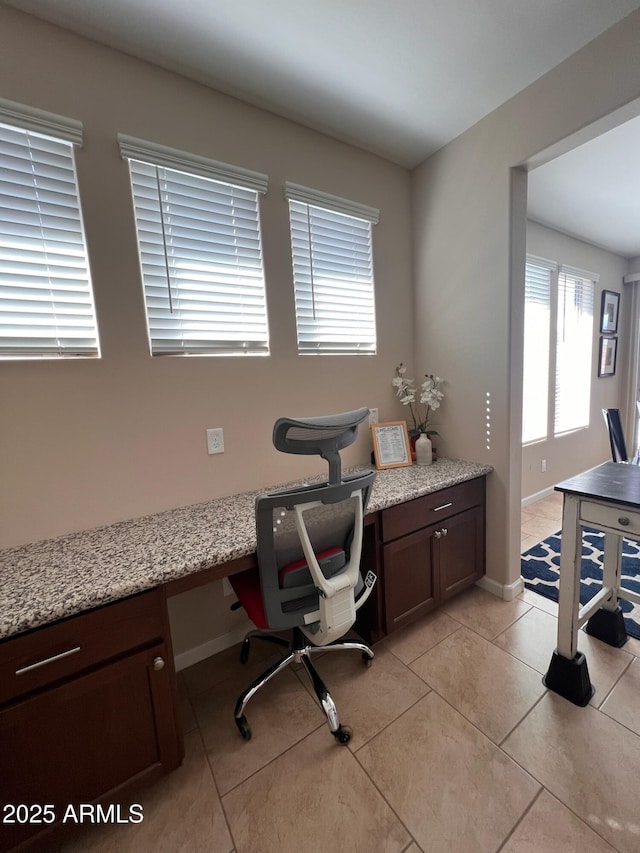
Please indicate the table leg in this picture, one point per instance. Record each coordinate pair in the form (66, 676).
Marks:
(607, 623)
(568, 673)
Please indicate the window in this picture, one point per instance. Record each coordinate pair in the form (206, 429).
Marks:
(46, 301)
(557, 356)
(574, 340)
(198, 231)
(537, 330)
(332, 272)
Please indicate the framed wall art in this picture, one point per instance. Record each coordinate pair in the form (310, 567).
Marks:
(607, 358)
(609, 312)
(391, 444)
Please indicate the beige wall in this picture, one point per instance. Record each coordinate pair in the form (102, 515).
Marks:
(577, 451)
(86, 443)
(469, 252)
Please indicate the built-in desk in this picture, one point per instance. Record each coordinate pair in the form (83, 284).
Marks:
(88, 700)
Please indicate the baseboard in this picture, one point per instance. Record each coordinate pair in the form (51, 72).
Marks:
(531, 499)
(507, 592)
(211, 647)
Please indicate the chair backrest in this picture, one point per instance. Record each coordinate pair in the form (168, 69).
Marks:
(310, 536)
(616, 435)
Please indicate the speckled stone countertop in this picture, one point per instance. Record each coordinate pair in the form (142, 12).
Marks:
(49, 580)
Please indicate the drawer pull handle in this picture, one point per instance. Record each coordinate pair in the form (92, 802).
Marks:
(624, 521)
(44, 662)
(158, 664)
(444, 506)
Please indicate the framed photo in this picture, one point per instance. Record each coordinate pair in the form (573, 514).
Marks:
(609, 312)
(607, 359)
(391, 444)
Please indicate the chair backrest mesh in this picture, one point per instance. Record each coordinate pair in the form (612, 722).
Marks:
(322, 436)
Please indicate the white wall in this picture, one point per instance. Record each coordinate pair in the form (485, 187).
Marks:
(87, 443)
(582, 449)
(90, 442)
(469, 253)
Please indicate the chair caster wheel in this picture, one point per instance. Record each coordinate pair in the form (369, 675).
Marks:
(343, 734)
(366, 660)
(244, 651)
(243, 727)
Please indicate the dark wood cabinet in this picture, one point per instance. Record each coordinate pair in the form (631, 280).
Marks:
(91, 714)
(434, 547)
(409, 577)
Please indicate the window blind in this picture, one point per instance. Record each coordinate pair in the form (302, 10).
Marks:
(46, 301)
(537, 330)
(573, 349)
(332, 272)
(200, 254)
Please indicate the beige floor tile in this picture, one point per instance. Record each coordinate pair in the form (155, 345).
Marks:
(211, 671)
(409, 643)
(484, 613)
(367, 698)
(537, 525)
(486, 685)
(547, 508)
(182, 814)
(533, 638)
(588, 761)
(539, 601)
(632, 646)
(623, 703)
(314, 797)
(187, 717)
(549, 827)
(528, 541)
(279, 714)
(450, 785)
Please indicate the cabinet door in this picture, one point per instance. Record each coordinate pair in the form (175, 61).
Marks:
(460, 552)
(77, 742)
(409, 581)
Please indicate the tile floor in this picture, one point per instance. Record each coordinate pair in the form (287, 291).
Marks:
(457, 746)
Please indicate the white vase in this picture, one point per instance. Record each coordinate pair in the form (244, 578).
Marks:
(423, 450)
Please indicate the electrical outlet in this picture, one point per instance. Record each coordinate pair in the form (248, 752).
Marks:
(374, 417)
(215, 441)
(543, 465)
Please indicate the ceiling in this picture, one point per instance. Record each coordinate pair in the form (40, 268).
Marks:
(400, 79)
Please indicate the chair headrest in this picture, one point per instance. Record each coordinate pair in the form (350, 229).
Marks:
(323, 436)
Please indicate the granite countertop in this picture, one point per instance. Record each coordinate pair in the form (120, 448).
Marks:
(50, 580)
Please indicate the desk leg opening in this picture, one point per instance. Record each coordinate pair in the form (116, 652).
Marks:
(608, 626)
(570, 678)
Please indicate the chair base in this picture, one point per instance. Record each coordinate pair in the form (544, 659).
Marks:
(300, 651)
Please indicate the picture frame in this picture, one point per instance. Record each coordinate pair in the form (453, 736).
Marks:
(391, 444)
(607, 357)
(609, 310)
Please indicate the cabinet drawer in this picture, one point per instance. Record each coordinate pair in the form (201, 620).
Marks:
(53, 652)
(413, 515)
(624, 520)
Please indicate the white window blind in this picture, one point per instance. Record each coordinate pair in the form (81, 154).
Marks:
(573, 348)
(46, 301)
(537, 331)
(198, 231)
(332, 272)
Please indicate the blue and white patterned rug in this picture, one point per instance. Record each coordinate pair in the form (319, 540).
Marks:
(540, 566)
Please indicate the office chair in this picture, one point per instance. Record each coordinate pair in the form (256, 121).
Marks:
(616, 435)
(309, 546)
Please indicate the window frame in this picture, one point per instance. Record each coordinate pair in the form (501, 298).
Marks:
(552, 390)
(208, 250)
(44, 240)
(333, 220)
